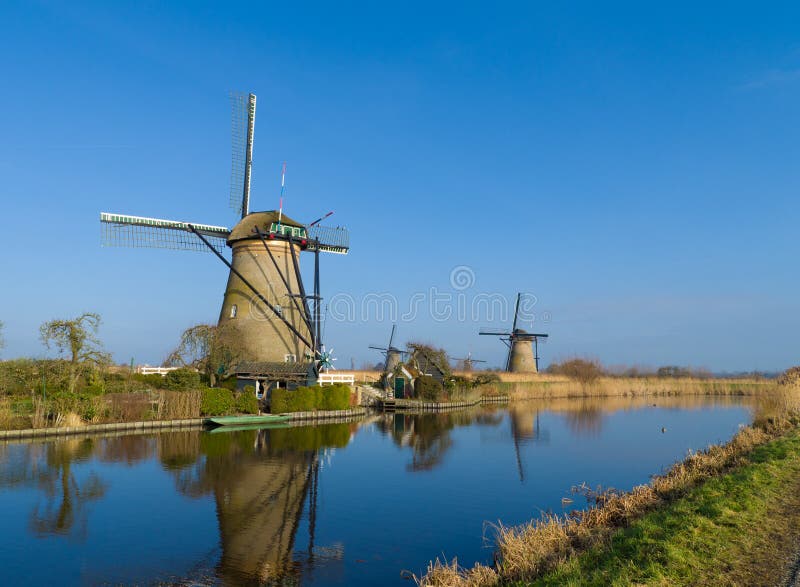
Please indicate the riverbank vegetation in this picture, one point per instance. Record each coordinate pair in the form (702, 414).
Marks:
(710, 519)
(36, 394)
(82, 386)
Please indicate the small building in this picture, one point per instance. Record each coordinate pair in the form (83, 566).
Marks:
(265, 376)
(422, 360)
(427, 362)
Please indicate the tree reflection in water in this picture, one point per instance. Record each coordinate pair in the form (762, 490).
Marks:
(586, 419)
(48, 467)
(428, 435)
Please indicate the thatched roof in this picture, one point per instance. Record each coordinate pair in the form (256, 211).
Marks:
(263, 220)
(272, 369)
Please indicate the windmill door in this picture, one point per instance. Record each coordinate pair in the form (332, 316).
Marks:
(399, 387)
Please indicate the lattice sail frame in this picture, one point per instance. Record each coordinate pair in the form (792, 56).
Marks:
(331, 240)
(122, 230)
(238, 145)
(243, 116)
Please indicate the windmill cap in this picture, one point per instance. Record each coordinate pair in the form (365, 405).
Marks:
(244, 229)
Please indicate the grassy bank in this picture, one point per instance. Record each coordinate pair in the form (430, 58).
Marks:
(712, 518)
(731, 530)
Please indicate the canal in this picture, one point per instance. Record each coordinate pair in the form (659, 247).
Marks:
(337, 504)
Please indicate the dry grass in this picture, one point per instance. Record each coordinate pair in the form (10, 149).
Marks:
(72, 420)
(126, 407)
(555, 387)
(444, 574)
(527, 551)
(173, 405)
(7, 417)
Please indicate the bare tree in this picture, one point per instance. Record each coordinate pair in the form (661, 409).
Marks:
(207, 348)
(2, 340)
(77, 338)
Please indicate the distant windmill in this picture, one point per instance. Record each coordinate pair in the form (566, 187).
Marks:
(393, 355)
(523, 346)
(468, 362)
(272, 318)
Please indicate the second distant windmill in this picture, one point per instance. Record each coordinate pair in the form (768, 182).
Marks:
(523, 346)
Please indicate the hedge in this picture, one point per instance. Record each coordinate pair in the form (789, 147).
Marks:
(182, 379)
(307, 399)
(216, 402)
(426, 387)
(246, 401)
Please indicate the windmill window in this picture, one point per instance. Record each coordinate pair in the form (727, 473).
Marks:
(234, 310)
(289, 358)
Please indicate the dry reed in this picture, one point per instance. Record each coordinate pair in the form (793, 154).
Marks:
(173, 405)
(555, 387)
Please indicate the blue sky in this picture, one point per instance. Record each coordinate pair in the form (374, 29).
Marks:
(634, 166)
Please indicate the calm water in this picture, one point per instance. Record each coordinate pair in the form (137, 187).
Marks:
(343, 504)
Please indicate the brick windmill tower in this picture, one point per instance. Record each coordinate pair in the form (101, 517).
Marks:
(266, 310)
(523, 346)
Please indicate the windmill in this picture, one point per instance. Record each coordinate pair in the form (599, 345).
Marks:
(523, 346)
(468, 362)
(393, 355)
(266, 308)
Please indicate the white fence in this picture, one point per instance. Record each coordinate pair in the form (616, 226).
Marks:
(147, 370)
(330, 378)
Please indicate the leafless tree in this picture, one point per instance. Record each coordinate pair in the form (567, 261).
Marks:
(76, 338)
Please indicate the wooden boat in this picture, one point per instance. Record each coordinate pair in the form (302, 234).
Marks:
(254, 420)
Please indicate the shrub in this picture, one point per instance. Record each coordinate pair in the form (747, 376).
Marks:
(428, 388)
(790, 377)
(182, 380)
(335, 397)
(152, 380)
(582, 370)
(215, 401)
(229, 383)
(460, 383)
(246, 401)
(24, 376)
(486, 378)
(675, 372)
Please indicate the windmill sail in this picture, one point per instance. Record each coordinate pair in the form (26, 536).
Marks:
(243, 120)
(122, 230)
(494, 332)
(331, 240)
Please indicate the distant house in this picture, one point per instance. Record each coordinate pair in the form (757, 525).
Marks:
(422, 360)
(427, 362)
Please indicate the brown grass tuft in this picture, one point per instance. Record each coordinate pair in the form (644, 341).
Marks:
(444, 574)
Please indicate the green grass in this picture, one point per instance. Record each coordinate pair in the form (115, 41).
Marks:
(728, 531)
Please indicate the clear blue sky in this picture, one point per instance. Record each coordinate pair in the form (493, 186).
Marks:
(635, 166)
